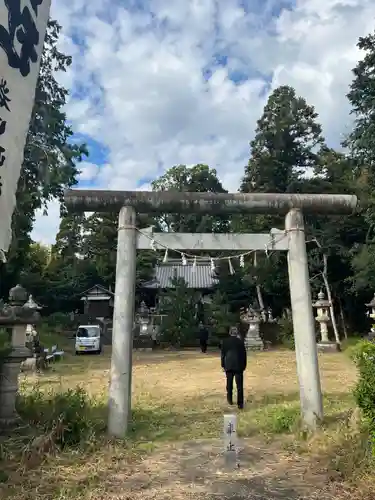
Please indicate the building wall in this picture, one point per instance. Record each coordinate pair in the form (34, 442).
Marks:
(99, 309)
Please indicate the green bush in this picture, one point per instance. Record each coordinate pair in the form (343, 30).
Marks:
(284, 419)
(350, 344)
(363, 355)
(67, 416)
(179, 327)
(286, 336)
(280, 419)
(220, 317)
(59, 321)
(349, 452)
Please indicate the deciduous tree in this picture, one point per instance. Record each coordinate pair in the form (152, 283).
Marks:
(50, 156)
(200, 178)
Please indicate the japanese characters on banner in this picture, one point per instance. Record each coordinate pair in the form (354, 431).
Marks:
(22, 30)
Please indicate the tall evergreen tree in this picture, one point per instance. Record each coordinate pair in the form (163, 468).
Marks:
(100, 247)
(69, 237)
(361, 141)
(285, 146)
(362, 99)
(68, 272)
(100, 244)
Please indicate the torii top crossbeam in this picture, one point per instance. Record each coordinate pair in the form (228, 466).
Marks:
(81, 200)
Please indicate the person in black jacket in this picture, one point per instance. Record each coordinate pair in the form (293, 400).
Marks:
(233, 362)
(203, 337)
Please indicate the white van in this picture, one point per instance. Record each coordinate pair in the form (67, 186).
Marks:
(88, 339)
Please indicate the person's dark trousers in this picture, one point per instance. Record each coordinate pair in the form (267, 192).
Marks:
(203, 344)
(238, 377)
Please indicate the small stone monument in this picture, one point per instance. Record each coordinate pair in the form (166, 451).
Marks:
(230, 441)
(323, 318)
(253, 341)
(16, 314)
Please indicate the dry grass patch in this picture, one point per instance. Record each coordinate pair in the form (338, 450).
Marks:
(177, 397)
(182, 395)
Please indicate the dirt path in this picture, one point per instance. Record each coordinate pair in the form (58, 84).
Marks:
(196, 470)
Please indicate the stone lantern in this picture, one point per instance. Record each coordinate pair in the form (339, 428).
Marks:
(31, 333)
(16, 315)
(322, 306)
(143, 319)
(371, 314)
(31, 304)
(253, 341)
(143, 340)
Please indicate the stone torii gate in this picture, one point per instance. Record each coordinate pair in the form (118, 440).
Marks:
(293, 206)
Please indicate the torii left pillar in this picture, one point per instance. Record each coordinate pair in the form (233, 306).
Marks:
(122, 333)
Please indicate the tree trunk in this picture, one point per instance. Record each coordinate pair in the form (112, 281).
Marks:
(343, 322)
(258, 288)
(329, 297)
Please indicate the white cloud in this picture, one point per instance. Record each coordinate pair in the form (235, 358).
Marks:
(47, 226)
(147, 99)
(88, 171)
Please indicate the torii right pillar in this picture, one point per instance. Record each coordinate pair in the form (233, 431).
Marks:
(303, 321)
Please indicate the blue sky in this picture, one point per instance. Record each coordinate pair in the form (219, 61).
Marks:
(158, 83)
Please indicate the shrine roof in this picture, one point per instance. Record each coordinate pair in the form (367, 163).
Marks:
(198, 277)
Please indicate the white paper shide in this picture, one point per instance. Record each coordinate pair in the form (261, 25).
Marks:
(22, 31)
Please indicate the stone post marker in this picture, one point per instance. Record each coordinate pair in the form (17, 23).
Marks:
(230, 441)
(17, 314)
(22, 31)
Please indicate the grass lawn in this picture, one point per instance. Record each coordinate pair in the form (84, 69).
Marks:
(173, 449)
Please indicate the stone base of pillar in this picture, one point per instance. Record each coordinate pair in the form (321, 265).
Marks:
(328, 347)
(142, 343)
(253, 342)
(9, 372)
